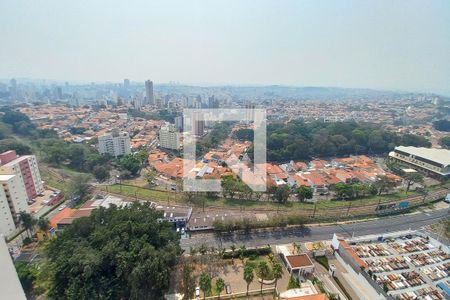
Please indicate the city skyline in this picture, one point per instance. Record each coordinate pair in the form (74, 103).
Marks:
(377, 45)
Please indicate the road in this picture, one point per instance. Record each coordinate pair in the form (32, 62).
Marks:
(317, 233)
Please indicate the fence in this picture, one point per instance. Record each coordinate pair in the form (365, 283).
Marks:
(327, 212)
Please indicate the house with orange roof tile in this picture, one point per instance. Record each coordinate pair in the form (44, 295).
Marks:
(172, 169)
(300, 166)
(316, 180)
(318, 164)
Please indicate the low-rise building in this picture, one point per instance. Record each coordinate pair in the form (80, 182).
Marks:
(399, 265)
(431, 161)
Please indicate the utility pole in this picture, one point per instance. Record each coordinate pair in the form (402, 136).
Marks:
(349, 206)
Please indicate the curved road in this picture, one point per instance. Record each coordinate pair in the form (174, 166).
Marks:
(317, 233)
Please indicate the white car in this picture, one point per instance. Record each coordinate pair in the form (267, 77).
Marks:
(61, 207)
(197, 292)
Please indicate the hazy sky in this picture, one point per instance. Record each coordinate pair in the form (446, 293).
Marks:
(374, 44)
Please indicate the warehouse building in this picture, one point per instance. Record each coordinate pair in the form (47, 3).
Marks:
(431, 161)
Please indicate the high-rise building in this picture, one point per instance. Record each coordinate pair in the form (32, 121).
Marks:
(198, 102)
(115, 144)
(11, 288)
(213, 102)
(179, 122)
(199, 127)
(25, 168)
(149, 97)
(159, 101)
(13, 200)
(186, 103)
(137, 103)
(13, 89)
(169, 137)
(126, 83)
(249, 112)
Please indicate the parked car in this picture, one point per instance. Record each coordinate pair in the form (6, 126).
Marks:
(447, 199)
(197, 292)
(228, 288)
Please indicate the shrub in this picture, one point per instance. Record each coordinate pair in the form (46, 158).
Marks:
(250, 253)
(293, 283)
(27, 241)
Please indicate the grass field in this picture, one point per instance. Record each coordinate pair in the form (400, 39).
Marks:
(173, 197)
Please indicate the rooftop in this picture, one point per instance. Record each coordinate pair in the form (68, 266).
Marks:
(299, 261)
(441, 156)
(6, 177)
(409, 265)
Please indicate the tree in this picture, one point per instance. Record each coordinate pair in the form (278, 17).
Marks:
(13, 144)
(383, 184)
(205, 284)
(343, 190)
(27, 275)
(304, 192)
(263, 271)
(229, 186)
(220, 285)
(277, 270)
(142, 156)
(297, 247)
(79, 186)
(280, 193)
(445, 142)
(150, 177)
(242, 250)
(129, 163)
(442, 125)
(187, 282)
(101, 173)
(411, 178)
(248, 275)
(115, 253)
(44, 225)
(27, 222)
(233, 249)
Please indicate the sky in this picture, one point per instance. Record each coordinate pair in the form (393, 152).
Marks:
(398, 45)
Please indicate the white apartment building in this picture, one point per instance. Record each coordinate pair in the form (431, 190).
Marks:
(114, 144)
(10, 286)
(431, 161)
(169, 137)
(13, 199)
(26, 168)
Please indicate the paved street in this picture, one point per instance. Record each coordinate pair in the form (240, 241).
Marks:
(315, 233)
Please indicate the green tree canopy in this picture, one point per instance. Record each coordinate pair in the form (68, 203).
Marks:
(205, 284)
(304, 192)
(130, 163)
(248, 275)
(412, 178)
(298, 140)
(445, 142)
(116, 253)
(280, 193)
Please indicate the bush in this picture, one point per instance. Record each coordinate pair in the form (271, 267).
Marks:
(293, 283)
(247, 224)
(251, 253)
(323, 260)
(27, 241)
